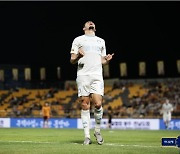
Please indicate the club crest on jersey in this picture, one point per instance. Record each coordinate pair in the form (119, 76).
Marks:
(99, 41)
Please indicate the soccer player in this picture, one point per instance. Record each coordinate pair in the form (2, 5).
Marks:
(167, 109)
(46, 112)
(89, 52)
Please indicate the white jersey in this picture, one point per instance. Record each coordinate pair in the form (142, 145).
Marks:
(167, 109)
(94, 48)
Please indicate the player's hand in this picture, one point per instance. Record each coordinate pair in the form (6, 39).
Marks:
(109, 57)
(80, 52)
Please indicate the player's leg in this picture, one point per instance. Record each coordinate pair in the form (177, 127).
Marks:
(109, 121)
(166, 124)
(168, 120)
(108, 125)
(47, 123)
(44, 122)
(85, 117)
(97, 92)
(165, 120)
(98, 113)
(83, 83)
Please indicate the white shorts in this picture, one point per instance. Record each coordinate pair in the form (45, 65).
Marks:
(167, 117)
(88, 84)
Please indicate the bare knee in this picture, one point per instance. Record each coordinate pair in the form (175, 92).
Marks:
(98, 104)
(97, 100)
(85, 103)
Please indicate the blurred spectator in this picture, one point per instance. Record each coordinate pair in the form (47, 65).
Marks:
(46, 112)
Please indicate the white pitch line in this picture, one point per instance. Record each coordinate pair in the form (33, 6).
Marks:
(136, 145)
(108, 144)
(28, 142)
(125, 145)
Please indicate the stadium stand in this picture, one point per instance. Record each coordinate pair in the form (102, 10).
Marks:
(133, 98)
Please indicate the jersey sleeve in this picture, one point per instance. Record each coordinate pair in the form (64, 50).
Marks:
(74, 48)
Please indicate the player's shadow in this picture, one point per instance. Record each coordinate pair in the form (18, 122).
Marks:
(77, 141)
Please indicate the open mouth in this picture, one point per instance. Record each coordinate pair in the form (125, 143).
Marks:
(91, 27)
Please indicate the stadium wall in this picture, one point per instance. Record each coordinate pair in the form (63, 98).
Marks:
(142, 124)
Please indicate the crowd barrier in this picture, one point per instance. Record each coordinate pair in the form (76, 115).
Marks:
(142, 124)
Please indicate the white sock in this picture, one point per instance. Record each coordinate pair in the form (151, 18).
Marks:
(98, 113)
(85, 116)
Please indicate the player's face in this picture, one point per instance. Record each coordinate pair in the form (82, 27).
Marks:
(167, 101)
(90, 25)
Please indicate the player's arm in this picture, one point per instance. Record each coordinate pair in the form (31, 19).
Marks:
(76, 56)
(171, 109)
(106, 59)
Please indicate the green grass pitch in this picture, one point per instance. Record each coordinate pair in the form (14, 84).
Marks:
(69, 141)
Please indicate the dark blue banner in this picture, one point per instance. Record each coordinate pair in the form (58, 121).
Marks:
(168, 141)
(174, 124)
(38, 123)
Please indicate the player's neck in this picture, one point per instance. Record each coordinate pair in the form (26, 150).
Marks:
(89, 33)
